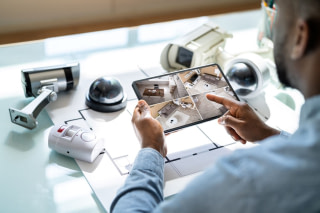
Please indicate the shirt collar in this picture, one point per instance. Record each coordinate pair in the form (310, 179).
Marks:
(310, 109)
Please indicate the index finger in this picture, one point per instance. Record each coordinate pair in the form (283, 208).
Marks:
(227, 102)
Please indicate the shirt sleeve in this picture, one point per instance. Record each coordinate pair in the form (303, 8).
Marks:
(143, 189)
(285, 134)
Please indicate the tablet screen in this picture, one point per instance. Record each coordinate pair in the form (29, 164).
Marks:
(178, 100)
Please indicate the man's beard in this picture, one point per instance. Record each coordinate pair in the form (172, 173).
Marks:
(279, 58)
(282, 72)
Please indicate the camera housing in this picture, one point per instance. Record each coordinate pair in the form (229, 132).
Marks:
(196, 48)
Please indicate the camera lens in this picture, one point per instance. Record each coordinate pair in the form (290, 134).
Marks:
(243, 78)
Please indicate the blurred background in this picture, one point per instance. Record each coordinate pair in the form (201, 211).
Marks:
(38, 19)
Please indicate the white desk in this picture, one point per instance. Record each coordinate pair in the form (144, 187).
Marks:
(36, 179)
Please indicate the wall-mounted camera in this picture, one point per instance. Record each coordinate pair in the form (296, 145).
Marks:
(194, 49)
(43, 83)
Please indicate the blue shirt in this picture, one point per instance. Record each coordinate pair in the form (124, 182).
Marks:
(280, 175)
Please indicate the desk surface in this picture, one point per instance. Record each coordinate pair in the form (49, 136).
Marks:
(34, 178)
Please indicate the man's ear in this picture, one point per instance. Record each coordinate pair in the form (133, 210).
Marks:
(300, 39)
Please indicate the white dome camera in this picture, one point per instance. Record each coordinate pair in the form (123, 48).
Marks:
(248, 74)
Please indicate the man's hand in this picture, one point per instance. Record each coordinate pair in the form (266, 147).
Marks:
(148, 130)
(241, 122)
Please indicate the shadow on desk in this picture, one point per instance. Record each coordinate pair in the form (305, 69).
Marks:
(22, 141)
(66, 162)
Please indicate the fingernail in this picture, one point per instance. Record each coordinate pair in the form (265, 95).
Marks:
(221, 121)
(141, 103)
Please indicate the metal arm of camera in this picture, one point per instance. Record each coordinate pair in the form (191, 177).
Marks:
(27, 116)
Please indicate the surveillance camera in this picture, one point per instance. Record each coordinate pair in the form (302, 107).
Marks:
(194, 49)
(43, 83)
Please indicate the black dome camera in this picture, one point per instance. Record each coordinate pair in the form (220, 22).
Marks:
(106, 95)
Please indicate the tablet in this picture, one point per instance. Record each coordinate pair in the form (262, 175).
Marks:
(178, 99)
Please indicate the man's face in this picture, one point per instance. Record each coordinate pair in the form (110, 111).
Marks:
(280, 39)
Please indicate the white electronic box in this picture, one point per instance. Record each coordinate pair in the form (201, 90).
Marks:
(75, 142)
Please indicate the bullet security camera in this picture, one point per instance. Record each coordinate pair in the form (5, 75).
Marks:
(43, 83)
(196, 48)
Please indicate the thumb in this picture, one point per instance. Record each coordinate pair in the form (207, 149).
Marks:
(141, 110)
(228, 120)
(144, 108)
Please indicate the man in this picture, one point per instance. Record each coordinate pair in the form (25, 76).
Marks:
(282, 174)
